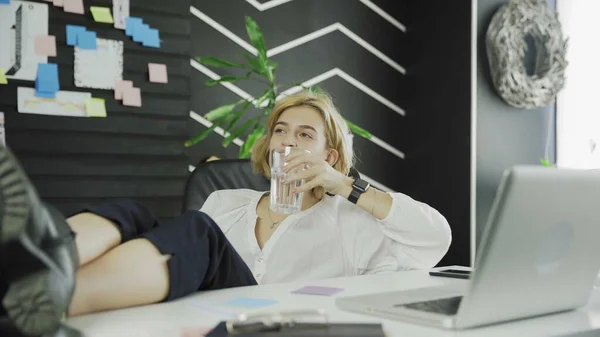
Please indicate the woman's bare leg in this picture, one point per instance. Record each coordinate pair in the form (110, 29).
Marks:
(95, 236)
(134, 273)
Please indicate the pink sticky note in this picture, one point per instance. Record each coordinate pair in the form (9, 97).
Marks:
(132, 97)
(73, 6)
(58, 3)
(316, 290)
(45, 45)
(121, 87)
(158, 73)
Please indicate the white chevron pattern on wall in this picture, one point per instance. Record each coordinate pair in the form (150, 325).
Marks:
(299, 41)
(395, 67)
(274, 3)
(243, 94)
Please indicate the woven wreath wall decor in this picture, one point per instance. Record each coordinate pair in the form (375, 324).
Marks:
(507, 48)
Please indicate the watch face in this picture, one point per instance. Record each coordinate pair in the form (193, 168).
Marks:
(361, 185)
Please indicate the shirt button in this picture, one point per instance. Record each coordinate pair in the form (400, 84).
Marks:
(260, 260)
(258, 275)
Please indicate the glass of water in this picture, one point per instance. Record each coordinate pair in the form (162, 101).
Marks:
(282, 199)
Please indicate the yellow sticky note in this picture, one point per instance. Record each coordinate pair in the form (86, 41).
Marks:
(95, 107)
(102, 14)
(3, 79)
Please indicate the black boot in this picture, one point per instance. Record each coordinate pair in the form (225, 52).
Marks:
(38, 257)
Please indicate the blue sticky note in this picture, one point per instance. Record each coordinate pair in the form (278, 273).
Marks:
(140, 33)
(131, 25)
(87, 40)
(46, 82)
(248, 302)
(48, 74)
(44, 94)
(46, 87)
(72, 34)
(4, 2)
(152, 38)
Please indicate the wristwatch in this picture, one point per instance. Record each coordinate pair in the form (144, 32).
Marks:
(358, 188)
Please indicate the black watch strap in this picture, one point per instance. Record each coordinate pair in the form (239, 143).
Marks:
(358, 188)
(354, 195)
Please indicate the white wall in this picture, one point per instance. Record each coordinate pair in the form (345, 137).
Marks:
(578, 108)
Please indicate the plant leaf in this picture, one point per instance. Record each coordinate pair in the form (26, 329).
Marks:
(227, 141)
(316, 89)
(266, 95)
(260, 67)
(545, 162)
(227, 78)
(238, 114)
(220, 112)
(199, 137)
(246, 149)
(212, 82)
(358, 130)
(219, 63)
(256, 37)
(258, 41)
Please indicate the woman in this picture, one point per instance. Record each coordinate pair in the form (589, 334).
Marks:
(122, 257)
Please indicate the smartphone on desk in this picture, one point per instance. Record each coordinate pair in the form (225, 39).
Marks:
(454, 273)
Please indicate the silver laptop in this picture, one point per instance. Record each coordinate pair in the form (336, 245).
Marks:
(539, 254)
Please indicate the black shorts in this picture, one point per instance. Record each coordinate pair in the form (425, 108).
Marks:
(201, 256)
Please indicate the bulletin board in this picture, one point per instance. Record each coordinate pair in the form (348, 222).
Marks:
(94, 98)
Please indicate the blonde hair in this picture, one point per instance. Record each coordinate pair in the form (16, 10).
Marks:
(337, 133)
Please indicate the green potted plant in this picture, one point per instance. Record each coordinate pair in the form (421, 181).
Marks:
(260, 68)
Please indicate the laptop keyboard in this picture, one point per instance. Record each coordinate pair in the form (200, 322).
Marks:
(445, 306)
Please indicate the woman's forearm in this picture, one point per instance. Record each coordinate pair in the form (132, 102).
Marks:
(376, 202)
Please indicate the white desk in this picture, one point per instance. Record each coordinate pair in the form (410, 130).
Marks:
(195, 311)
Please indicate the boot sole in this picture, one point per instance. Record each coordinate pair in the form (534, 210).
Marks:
(29, 301)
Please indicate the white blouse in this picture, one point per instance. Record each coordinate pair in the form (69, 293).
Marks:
(333, 238)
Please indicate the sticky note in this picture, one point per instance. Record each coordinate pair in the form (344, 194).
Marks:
(4, 2)
(132, 97)
(316, 290)
(95, 107)
(58, 3)
(151, 38)
(248, 302)
(86, 40)
(73, 6)
(102, 14)
(131, 25)
(43, 94)
(140, 33)
(45, 45)
(46, 81)
(121, 87)
(158, 73)
(73, 33)
(3, 79)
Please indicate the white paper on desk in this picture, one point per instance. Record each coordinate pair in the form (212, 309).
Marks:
(120, 13)
(20, 23)
(100, 68)
(66, 103)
